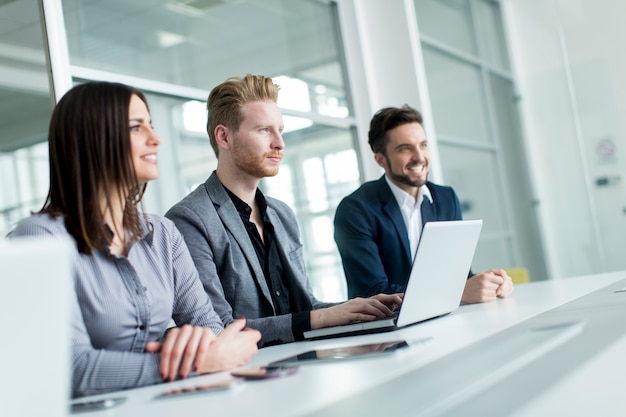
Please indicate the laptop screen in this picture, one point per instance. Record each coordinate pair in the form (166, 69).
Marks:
(442, 263)
(35, 286)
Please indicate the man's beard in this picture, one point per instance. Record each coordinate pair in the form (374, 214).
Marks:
(403, 178)
(252, 164)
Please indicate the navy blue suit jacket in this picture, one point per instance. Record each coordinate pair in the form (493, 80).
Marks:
(373, 240)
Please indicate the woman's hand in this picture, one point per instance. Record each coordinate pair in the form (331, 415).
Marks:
(184, 347)
(198, 347)
(232, 348)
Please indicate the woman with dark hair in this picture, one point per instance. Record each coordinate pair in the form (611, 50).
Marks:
(133, 271)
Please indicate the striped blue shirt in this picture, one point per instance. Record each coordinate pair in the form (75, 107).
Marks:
(121, 303)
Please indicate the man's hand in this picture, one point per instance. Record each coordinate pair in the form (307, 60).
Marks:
(393, 301)
(506, 288)
(357, 309)
(232, 348)
(487, 286)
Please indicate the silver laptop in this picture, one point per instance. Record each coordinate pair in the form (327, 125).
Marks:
(436, 283)
(36, 283)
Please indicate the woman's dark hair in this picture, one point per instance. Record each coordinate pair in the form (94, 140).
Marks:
(90, 159)
(387, 119)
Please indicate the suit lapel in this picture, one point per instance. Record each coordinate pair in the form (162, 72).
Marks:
(279, 229)
(428, 208)
(428, 211)
(392, 210)
(232, 222)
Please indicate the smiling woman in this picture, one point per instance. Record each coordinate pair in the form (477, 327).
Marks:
(134, 273)
(144, 141)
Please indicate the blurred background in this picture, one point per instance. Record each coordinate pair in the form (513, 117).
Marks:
(521, 100)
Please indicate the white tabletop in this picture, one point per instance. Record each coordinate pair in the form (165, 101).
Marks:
(450, 360)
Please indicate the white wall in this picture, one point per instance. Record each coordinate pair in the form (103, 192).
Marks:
(571, 74)
(384, 68)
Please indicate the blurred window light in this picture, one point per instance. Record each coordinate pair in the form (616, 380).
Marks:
(323, 229)
(194, 116)
(281, 186)
(293, 123)
(294, 93)
(314, 180)
(169, 39)
(341, 167)
(329, 105)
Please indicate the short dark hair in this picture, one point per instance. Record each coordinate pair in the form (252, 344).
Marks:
(387, 119)
(226, 100)
(90, 157)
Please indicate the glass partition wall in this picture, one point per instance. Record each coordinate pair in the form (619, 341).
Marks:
(25, 108)
(197, 45)
(479, 138)
(177, 50)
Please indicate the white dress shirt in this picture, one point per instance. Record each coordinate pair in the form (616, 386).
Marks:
(411, 214)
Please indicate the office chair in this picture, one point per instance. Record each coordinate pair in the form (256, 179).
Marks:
(518, 275)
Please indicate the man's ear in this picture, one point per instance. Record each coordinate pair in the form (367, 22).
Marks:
(380, 160)
(222, 137)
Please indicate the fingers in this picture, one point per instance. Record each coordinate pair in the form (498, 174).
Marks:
(237, 330)
(153, 347)
(171, 351)
(189, 353)
(479, 289)
(181, 349)
(234, 346)
(390, 300)
(496, 276)
(487, 286)
(369, 306)
(357, 309)
(190, 348)
(500, 272)
(249, 338)
(208, 337)
(236, 326)
(506, 288)
(360, 309)
(166, 349)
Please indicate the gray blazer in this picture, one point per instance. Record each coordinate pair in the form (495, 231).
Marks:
(227, 262)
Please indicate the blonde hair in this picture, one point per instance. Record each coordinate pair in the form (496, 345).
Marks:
(226, 100)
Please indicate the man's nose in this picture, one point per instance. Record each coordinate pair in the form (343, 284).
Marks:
(278, 142)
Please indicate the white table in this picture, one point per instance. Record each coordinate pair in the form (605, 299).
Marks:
(524, 355)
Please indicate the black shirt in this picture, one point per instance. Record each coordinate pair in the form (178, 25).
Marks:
(285, 295)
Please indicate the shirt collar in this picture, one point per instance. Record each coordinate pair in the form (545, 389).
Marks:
(404, 198)
(146, 231)
(244, 209)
